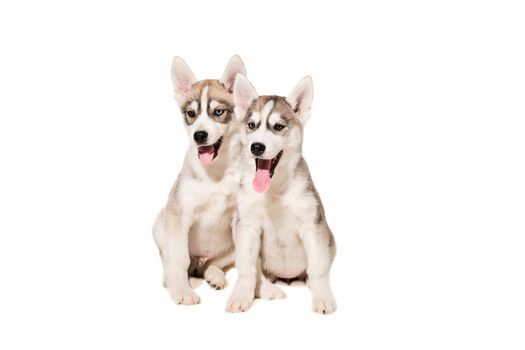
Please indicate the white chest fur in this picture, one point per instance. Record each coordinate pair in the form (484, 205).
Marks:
(213, 211)
(283, 219)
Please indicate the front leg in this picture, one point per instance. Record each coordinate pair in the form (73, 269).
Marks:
(247, 244)
(319, 247)
(177, 257)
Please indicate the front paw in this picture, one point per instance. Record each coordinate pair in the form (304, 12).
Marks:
(324, 304)
(185, 297)
(239, 302)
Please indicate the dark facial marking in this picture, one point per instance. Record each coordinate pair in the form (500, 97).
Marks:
(216, 92)
(224, 107)
(280, 106)
(252, 125)
(280, 127)
(189, 114)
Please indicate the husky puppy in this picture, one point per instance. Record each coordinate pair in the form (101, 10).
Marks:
(194, 230)
(281, 229)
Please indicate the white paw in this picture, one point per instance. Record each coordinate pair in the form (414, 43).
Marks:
(239, 303)
(185, 297)
(270, 291)
(324, 305)
(215, 278)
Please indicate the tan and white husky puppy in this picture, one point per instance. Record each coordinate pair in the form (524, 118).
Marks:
(194, 230)
(281, 230)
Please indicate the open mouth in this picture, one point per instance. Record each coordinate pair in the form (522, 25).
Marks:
(264, 169)
(208, 153)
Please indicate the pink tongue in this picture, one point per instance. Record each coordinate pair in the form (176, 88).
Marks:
(261, 182)
(206, 154)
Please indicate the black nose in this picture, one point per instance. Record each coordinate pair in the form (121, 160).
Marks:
(200, 137)
(258, 148)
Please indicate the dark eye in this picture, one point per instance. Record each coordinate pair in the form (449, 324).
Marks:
(190, 114)
(218, 112)
(251, 124)
(278, 127)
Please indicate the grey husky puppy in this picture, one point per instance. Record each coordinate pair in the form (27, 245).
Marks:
(281, 230)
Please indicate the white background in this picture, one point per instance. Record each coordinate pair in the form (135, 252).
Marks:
(416, 144)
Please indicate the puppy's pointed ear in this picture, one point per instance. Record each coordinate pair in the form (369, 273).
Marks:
(301, 99)
(234, 67)
(182, 78)
(243, 94)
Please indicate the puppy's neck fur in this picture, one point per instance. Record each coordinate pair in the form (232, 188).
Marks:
(291, 165)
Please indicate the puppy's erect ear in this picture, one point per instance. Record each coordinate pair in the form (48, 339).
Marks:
(301, 99)
(182, 78)
(234, 67)
(243, 94)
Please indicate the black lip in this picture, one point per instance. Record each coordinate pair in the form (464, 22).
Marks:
(275, 161)
(216, 146)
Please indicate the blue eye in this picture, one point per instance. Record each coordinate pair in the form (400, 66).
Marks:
(218, 112)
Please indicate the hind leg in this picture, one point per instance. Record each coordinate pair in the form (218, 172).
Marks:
(170, 233)
(215, 277)
(159, 236)
(267, 290)
(214, 274)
